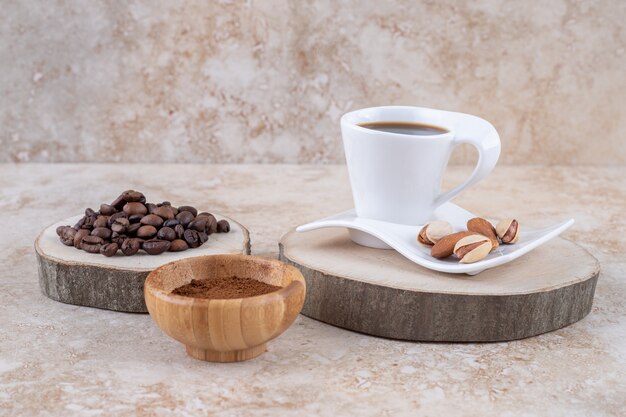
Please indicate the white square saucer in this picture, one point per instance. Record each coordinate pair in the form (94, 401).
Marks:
(403, 238)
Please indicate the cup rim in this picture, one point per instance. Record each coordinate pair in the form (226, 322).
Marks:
(354, 125)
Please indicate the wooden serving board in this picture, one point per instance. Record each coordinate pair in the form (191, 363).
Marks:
(379, 292)
(76, 277)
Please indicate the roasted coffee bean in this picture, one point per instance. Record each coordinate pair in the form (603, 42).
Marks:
(192, 238)
(164, 203)
(86, 223)
(67, 236)
(101, 221)
(132, 228)
(146, 231)
(155, 246)
(106, 210)
(200, 224)
(204, 214)
(78, 237)
(212, 226)
(130, 246)
(119, 238)
(151, 207)
(132, 196)
(60, 230)
(91, 244)
(103, 232)
(165, 212)
(185, 217)
(118, 203)
(189, 209)
(203, 237)
(223, 226)
(115, 216)
(166, 233)
(152, 220)
(120, 224)
(135, 218)
(109, 249)
(178, 245)
(135, 208)
(170, 223)
(89, 212)
(180, 230)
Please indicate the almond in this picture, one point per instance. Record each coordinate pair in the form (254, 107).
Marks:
(483, 227)
(445, 246)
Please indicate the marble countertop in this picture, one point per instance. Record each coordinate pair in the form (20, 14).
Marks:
(58, 359)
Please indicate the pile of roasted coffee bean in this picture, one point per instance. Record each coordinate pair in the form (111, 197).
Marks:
(130, 224)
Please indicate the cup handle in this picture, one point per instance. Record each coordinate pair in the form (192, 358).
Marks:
(484, 137)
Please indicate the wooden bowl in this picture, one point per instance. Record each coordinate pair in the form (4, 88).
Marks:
(230, 330)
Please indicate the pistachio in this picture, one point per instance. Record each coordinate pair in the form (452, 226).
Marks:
(508, 230)
(433, 231)
(472, 248)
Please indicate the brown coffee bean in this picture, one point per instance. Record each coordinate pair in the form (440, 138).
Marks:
(192, 238)
(212, 225)
(166, 233)
(118, 238)
(130, 246)
(132, 196)
(91, 244)
(151, 207)
(109, 249)
(203, 237)
(85, 223)
(90, 212)
(115, 216)
(185, 217)
(78, 237)
(155, 246)
(67, 236)
(135, 218)
(101, 221)
(180, 230)
(204, 214)
(200, 224)
(120, 224)
(189, 209)
(61, 229)
(223, 226)
(134, 208)
(102, 232)
(165, 212)
(146, 232)
(152, 220)
(178, 245)
(170, 223)
(132, 228)
(106, 210)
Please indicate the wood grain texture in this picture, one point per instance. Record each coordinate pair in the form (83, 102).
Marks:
(225, 330)
(379, 292)
(77, 277)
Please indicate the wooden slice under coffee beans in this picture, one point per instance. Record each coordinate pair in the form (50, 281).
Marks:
(116, 283)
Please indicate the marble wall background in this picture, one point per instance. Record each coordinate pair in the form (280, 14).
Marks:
(266, 81)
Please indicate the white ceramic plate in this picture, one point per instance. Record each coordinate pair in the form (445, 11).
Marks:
(403, 238)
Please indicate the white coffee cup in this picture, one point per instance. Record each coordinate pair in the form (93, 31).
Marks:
(397, 177)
